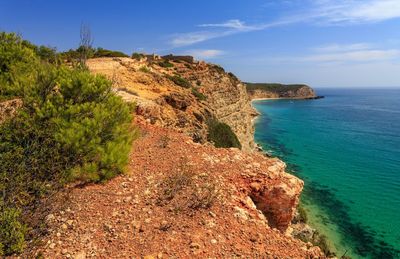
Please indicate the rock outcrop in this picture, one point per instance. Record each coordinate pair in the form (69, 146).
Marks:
(260, 91)
(166, 103)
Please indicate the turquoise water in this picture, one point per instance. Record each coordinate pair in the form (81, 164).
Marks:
(346, 148)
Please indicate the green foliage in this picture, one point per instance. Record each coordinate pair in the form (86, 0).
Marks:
(100, 52)
(302, 214)
(48, 54)
(165, 64)
(12, 232)
(322, 242)
(144, 69)
(198, 95)
(178, 80)
(221, 134)
(137, 56)
(71, 127)
(219, 69)
(17, 65)
(73, 55)
(273, 87)
(233, 76)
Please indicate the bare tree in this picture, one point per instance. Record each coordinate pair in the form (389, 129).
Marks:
(85, 44)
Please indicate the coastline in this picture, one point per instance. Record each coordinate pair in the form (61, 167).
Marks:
(287, 98)
(303, 228)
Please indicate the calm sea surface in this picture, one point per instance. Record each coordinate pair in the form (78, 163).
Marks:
(346, 148)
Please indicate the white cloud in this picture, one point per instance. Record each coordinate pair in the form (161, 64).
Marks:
(355, 56)
(343, 47)
(356, 11)
(205, 53)
(222, 30)
(321, 12)
(232, 24)
(348, 53)
(186, 39)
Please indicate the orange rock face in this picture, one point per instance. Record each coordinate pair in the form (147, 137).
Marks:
(167, 104)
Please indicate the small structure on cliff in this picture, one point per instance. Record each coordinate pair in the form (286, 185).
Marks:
(153, 57)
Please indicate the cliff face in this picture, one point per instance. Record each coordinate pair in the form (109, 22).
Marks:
(256, 91)
(151, 86)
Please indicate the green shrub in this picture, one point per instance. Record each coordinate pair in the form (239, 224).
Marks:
(165, 64)
(12, 232)
(178, 80)
(71, 55)
(137, 56)
(71, 127)
(198, 95)
(302, 214)
(48, 54)
(222, 135)
(144, 69)
(100, 52)
(17, 64)
(321, 241)
(219, 69)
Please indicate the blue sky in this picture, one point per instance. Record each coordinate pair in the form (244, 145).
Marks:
(324, 43)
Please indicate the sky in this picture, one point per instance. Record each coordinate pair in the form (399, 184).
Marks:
(323, 43)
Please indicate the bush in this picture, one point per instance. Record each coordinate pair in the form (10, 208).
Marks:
(178, 80)
(198, 95)
(17, 64)
(100, 52)
(166, 64)
(222, 135)
(137, 56)
(144, 69)
(185, 189)
(71, 127)
(302, 214)
(12, 232)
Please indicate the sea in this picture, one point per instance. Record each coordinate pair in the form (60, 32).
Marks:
(346, 148)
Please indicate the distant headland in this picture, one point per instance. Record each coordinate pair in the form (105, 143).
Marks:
(280, 91)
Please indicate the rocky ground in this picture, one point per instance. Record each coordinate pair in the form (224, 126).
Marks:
(179, 199)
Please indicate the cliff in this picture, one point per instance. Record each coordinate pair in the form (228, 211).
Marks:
(260, 90)
(182, 94)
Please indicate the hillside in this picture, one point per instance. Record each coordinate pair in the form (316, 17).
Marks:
(274, 90)
(173, 203)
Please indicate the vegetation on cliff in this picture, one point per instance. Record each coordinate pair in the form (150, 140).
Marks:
(273, 90)
(274, 87)
(70, 127)
(221, 134)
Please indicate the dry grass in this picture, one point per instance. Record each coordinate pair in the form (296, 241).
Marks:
(186, 189)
